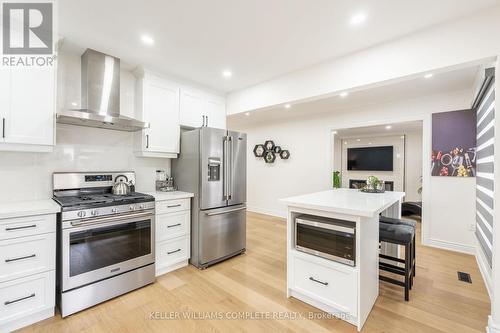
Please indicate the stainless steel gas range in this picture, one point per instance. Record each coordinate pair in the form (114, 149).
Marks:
(105, 241)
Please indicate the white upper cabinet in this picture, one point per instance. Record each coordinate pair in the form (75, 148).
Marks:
(191, 109)
(216, 112)
(157, 102)
(4, 99)
(199, 109)
(27, 108)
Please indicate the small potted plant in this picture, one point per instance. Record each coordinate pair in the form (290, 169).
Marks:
(373, 184)
(336, 179)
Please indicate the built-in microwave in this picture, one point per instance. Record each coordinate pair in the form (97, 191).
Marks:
(325, 237)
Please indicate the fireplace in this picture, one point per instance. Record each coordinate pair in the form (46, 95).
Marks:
(358, 183)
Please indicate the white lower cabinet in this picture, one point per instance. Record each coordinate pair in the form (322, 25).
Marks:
(27, 270)
(27, 300)
(336, 287)
(173, 234)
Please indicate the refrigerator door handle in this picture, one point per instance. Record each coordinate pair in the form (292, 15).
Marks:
(230, 169)
(225, 163)
(226, 211)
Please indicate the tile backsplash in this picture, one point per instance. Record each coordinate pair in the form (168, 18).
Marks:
(28, 176)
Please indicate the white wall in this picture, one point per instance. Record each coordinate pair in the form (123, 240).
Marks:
(28, 176)
(396, 176)
(309, 168)
(413, 165)
(448, 45)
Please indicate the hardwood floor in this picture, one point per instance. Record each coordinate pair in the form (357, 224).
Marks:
(255, 284)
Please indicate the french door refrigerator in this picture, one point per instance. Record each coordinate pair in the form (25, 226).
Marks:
(212, 165)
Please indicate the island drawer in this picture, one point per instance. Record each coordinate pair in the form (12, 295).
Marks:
(331, 286)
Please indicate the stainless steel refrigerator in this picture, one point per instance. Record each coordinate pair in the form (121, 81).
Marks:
(212, 165)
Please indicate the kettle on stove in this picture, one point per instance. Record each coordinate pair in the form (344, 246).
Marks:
(122, 185)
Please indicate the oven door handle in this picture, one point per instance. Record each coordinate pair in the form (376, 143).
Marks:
(109, 219)
(333, 227)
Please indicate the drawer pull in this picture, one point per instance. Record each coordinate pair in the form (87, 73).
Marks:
(19, 228)
(174, 225)
(173, 206)
(19, 299)
(171, 252)
(20, 258)
(318, 281)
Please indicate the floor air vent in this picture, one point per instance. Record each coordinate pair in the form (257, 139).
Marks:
(464, 277)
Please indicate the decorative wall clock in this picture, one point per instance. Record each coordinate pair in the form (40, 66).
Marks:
(269, 151)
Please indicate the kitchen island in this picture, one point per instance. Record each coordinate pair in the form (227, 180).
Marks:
(346, 289)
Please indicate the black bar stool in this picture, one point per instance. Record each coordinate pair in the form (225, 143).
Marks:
(410, 223)
(403, 235)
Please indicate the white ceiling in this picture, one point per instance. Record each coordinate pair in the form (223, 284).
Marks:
(380, 130)
(440, 83)
(255, 39)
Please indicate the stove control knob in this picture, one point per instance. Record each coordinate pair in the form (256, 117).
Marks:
(141, 206)
(81, 214)
(131, 207)
(94, 213)
(114, 210)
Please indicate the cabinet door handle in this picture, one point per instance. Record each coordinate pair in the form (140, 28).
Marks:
(20, 258)
(19, 228)
(203, 125)
(171, 252)
(173, 206)
(318, 281)
(19, 299)
(207, 121)
(147, 140)
(174, 225)
(3, 128)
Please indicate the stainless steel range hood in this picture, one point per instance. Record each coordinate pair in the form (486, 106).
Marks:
(100, 96)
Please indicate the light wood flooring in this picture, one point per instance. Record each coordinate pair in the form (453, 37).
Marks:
(255, 283)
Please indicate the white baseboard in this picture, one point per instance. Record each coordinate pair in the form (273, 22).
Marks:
(28, 320)
(485, 270)
(450, 246)
(492, 327)
(265, 211)
(170, 268)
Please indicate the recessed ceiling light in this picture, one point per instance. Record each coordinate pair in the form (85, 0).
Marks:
(344, 94)
(247, 114)
(227, 74)
(287, 106)
(345, 142)
(335, 132)
(369, 143)
(148, 40)
(74, 103)
(388, 127)
(428, 75)
(358, 140)
(357, 19)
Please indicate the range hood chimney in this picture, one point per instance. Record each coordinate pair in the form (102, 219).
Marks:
(100, 96)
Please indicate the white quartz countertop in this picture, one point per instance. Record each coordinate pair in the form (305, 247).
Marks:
(28, 208)
(161, 196)
(346, 201)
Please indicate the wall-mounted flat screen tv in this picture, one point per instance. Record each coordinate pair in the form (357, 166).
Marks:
(370, 158)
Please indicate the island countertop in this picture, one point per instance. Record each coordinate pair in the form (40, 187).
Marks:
(346, 201)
